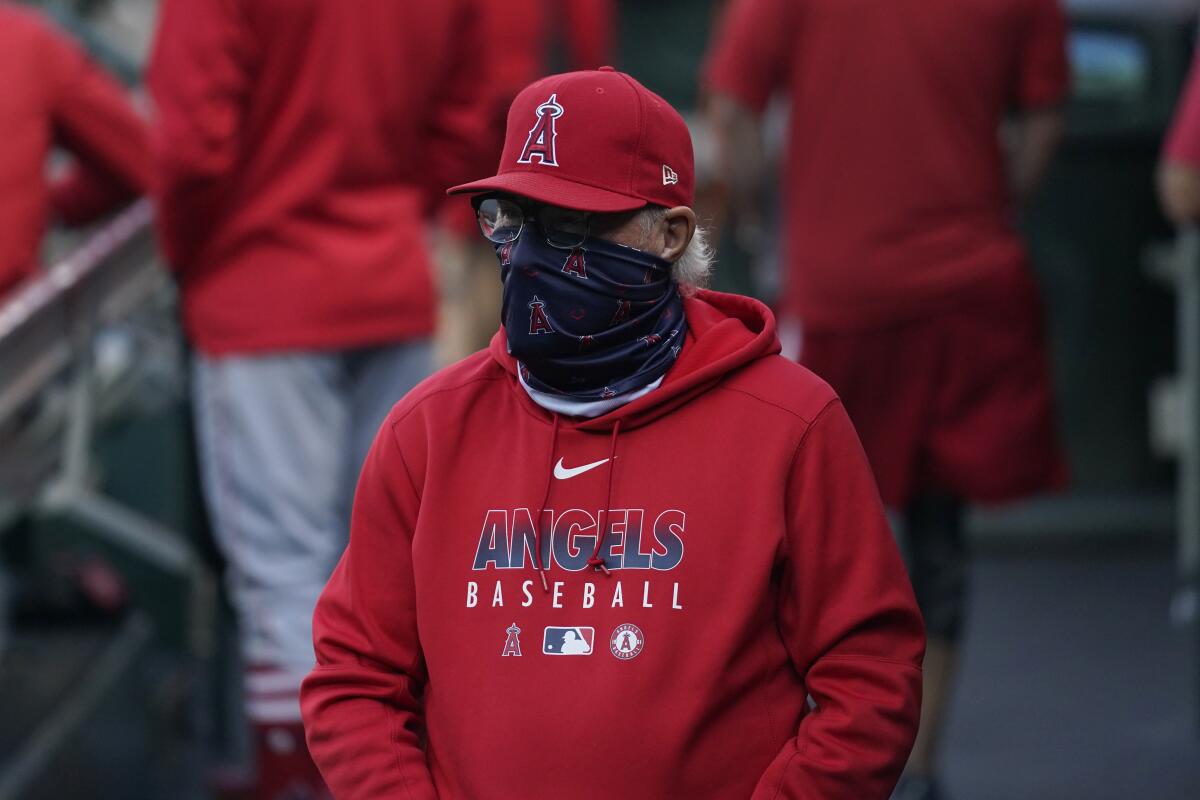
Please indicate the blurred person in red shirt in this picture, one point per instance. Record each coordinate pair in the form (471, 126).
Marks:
(522, 32)
(55, 96)
(300, 147)
(523, 35)
(906, 279)
(1179, 170)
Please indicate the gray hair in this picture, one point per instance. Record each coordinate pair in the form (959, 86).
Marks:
(693, 268)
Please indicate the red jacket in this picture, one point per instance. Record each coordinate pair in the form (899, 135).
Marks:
(299, 146)
(751, 566)
(54, 96)
(896, 200)
(522, 30)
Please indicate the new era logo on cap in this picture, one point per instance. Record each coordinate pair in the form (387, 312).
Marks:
(669, 176)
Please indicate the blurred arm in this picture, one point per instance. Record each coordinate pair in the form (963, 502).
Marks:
(1179, 192)
(459, 124)
(748, 59)
(740, 153)
(94, 120)
(1179, 169)
(1043, 83)
(1036, 137)
(199, 76)
(849, 620)
(590, 31)
(360, 704)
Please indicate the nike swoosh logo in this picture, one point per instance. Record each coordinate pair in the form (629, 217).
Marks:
(562, 473)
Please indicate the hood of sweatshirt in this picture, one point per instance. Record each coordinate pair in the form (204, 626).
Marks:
(725, 333)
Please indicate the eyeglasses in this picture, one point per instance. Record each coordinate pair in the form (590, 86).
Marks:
(501, 220)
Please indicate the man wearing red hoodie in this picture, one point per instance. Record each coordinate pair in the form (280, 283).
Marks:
(54, 96)
(629, 550)
(299, 145)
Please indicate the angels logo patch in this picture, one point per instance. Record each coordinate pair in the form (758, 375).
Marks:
(626, 642)
(512, 644)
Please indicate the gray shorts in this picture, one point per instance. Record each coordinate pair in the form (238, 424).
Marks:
(282, 437)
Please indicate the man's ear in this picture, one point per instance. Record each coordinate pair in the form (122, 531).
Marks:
(679, 225)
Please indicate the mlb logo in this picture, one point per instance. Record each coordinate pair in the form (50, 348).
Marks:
(568, 641)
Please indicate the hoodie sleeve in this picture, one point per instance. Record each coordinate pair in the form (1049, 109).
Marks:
(199, 75)
(461, 117)
(94, 119)
(361, 704)
(851, 625)
(751, 51)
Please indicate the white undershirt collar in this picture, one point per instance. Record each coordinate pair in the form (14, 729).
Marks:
(561, 404)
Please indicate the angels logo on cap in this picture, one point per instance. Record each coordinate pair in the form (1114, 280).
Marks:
(540, 142)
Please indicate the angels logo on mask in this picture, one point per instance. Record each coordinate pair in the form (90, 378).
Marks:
(538, 323)
(576, 264)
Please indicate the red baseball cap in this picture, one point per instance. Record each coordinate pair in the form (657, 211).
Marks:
(595, 140)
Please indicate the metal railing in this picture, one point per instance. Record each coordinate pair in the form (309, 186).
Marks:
(53, 398)
(1176, 419)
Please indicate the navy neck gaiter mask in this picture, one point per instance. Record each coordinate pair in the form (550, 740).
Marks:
(589, 323)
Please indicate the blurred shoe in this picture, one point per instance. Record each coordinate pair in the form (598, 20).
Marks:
(68, 589)
(917, 787)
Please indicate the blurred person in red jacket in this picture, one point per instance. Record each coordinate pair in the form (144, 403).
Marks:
(905, 278)
(523, 35)
(55, 96)
(525, 32)
(1179, 169)
(300, 147)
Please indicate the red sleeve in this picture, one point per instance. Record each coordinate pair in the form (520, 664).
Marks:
(590, 31)
(1183, 140)
(462, 117)
(851, 625)
(1045, 72)
(199, 77)
(750, 54)
(87, 193)
(95, 121)
(360, 704)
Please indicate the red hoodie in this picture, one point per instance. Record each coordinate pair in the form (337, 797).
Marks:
(299, 143)
(751, 566)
